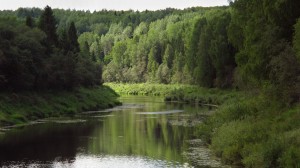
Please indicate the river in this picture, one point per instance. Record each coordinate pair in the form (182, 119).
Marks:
(144, 132)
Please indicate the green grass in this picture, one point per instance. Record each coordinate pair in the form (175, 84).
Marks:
(18, 108)
(177, 92)
(145, 88)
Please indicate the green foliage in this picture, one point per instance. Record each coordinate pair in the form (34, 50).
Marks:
(265, 58)
(47, 23)
(166, 31)
(72, 35)
(61, 71)
(169, 56)
(252, 45)
(175, 54)
(210, 47)
(221, 50)
(290, 157)
(35, 59)
(204, 72)
(254, 132)
(285, 75)
(29, 22)
(296, 42)
(145, 89)
(176, 92)
(21, 49)
(152, 66)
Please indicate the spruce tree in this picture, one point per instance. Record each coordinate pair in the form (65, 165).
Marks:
(63, 40)
(47, 24)
(72, 35)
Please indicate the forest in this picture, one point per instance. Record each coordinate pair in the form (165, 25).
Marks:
(250, 46)
(34, 57)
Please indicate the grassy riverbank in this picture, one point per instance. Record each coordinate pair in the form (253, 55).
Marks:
(255, 132)
(177, 92)
(247, 130)
(18, 108)
(147, 89)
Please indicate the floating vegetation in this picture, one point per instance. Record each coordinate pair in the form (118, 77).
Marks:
(71, 121)
(36, 122)
(184, 115)
(4, 130)
(117, 108)
(103, 116)
(152, 117)
(200, 155)
(8, 128)
(185, 122)
(161, 112)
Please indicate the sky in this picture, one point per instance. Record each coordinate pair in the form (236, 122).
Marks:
(110, 4)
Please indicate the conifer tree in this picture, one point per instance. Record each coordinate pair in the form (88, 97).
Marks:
(63, 40)
(72, 35)
(47, 24)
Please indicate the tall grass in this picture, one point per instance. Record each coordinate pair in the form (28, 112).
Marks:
(147, 89)
(176, 92)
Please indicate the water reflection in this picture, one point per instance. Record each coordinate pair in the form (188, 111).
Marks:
(127, 133)
(116, 138)
(106, 162)
(161, 112)
(42, 143)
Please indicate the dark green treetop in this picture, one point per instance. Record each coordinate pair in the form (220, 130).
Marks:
(72, 35)
(47, 24)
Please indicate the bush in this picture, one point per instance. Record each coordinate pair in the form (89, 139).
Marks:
(230, 140)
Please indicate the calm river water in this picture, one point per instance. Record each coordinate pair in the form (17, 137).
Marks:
(144, 132)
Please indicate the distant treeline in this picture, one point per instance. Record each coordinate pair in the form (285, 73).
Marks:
(249, 45)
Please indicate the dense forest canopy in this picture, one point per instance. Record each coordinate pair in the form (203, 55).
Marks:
(249, 44)
(34, 57)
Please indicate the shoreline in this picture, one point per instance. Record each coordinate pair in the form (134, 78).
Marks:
(25, 107)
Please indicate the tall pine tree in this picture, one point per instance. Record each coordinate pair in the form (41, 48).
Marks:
(47, 24)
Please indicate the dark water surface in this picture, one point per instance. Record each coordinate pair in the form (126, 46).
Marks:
(141, 133)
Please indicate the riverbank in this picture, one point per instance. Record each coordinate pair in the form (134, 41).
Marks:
(19, 108)
(254, 132)
(178, 92)
(246, 130)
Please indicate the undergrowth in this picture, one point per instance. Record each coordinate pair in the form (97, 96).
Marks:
(254, 132)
